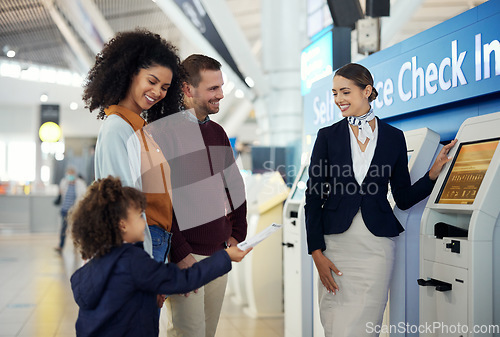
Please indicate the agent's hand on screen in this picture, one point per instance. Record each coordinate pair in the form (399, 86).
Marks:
(236, 254)
(441, 160)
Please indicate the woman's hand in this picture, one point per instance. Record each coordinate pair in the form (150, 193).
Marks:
(325, 268)
(441, 160)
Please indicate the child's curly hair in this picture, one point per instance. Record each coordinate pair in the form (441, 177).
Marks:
(108, 81)
(95, 219)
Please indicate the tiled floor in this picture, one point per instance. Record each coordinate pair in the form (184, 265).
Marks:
(36, 298)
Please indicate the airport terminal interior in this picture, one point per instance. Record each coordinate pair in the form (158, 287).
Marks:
(435, 65)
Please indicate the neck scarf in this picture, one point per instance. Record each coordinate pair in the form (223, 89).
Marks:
(365, 130)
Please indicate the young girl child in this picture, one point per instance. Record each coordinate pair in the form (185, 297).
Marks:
(349, 229)
(116, 289)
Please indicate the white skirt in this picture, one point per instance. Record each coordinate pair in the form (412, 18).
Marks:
(366, 262)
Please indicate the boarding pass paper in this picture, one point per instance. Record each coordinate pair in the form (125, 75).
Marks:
(253, 241)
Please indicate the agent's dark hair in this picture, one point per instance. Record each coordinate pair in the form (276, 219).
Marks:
(360, 76)
(124, 56)
(194, 65)
(96, 218)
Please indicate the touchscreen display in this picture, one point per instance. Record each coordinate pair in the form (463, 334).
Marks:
(300, 190)
(467, 172)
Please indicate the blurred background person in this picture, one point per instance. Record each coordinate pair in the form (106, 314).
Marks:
(71, 188)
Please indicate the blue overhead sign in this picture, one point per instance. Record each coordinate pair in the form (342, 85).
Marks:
(456, 60)
(448, 63)
(319, 106)
(316, 62)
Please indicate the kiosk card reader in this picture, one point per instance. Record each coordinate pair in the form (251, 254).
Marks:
(460, 238)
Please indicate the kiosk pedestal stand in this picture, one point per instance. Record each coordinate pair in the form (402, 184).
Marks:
(263, 267)
(423, 146)
(298, 266)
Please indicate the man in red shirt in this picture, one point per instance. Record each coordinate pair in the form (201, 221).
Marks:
(219, 205)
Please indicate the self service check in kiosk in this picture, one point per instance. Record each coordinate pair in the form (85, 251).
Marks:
(422, 146)
(298, 266)
(259, 277)
(460, 238)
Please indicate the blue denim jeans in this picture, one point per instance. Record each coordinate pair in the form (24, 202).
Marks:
(161, 240)
(161, 243)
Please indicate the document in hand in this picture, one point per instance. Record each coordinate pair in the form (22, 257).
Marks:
(254, 240)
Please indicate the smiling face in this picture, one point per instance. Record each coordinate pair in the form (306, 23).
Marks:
(148, 87)
(350, 98)
(132, 227)
(205, 98)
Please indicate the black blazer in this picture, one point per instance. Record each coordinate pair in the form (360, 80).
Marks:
(333, 196)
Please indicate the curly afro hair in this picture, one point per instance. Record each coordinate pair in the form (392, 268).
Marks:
(108, 81)
(95, 219)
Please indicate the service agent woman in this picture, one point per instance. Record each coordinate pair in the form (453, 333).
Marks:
(350, 224)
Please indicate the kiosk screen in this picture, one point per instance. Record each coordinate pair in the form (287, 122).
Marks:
(467, 172)
(300, 190)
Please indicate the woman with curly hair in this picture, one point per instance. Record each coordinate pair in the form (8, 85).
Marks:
(116, 289)
(135, 79)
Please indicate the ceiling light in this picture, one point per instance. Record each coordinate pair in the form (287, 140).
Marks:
(73, 106)
(8, 51)
(49, 132)
(239, 93)
(44, 98)
(228, 87)
(249, 81)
